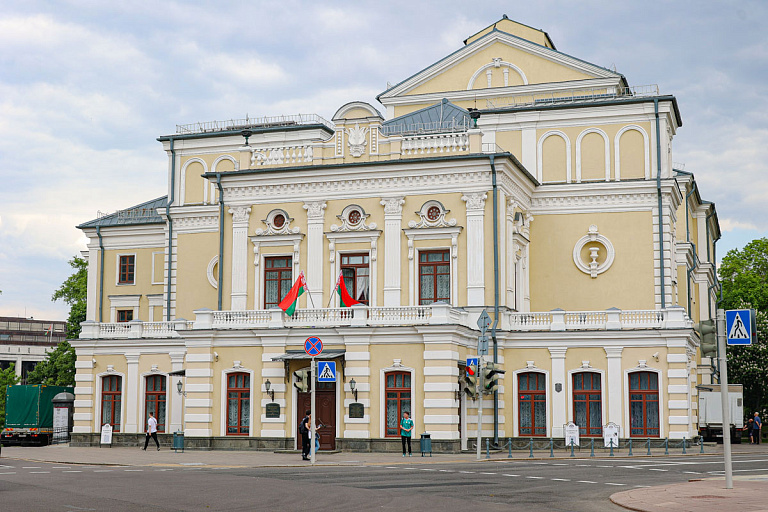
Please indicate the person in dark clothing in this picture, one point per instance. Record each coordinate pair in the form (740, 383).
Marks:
(304, 430)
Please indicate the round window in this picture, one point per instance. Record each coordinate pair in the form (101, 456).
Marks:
(354, 217)
(433, 213)
(278, 220)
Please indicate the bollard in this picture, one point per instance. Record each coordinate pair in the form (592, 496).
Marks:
(592, 448)
(683, 445)
(701, 444)
(487, 448)
(630, 446)
(551, 447)
(509, 444)
(530, 447)
(571, 447)
(611, 447)
(666, 446)
(649, 446)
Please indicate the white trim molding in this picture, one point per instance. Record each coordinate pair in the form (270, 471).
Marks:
(497, 63)
(593, 268)
(540, 155)
(223, 402)
(607, 152)
(646, 150)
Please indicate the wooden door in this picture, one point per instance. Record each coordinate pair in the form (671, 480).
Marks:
(325, 409)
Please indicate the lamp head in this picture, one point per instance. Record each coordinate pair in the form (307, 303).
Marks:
(179, 385)
(267, 385)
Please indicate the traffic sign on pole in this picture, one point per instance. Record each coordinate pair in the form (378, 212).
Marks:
(738, 326)
(326, 371)
(484, 322)
(471, 361)
(313, 346)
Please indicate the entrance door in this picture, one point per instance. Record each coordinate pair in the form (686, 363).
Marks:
(325, 409)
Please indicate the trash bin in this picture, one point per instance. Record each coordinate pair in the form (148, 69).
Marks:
(178, 441)
(426, 444)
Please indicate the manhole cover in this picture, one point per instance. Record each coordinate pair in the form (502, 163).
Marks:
(707, 496)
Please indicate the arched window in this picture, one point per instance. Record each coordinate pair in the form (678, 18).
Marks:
(532, 404)
(588, 403)
(644, 404)
(154, 400)
(111, 399)
(238, 404)
(398, 399)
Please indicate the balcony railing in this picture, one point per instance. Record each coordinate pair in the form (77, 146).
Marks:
(362, 316)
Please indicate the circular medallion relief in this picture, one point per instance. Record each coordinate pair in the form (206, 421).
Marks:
(278, 220)
(433, 213)
(354, 217)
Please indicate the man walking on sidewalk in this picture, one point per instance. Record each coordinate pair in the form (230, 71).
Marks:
(406, 426)
(151, 431)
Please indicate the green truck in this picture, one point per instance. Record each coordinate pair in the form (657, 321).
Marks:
(29, 414)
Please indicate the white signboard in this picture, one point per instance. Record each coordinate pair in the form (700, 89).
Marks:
(571, 434)
(60, 423)
(106, 434)
(611, 435)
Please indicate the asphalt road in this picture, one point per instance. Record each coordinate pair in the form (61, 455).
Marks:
(557, 485)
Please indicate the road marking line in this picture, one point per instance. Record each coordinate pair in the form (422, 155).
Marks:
(507, 474)
(535, 477)
(426, 469)
(8, 473)
(583, 465)
(488, 473)
(467, 472)
(61, 467)
(72, 471)
(657, 469)
(611, 483)
(30, 467)
(167, 469)
(390, 467)
(102, 470)
(691, 472)
(586, 482)
(642, 486)
(560, 479)
(559, 464)
(38, 472)
(604, 466)
(133, 470)
(446, 470)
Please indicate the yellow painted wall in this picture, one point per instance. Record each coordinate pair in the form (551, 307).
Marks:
(516, 29)
(512, 141)
(556, 282)
(554, 160)
(593, 157)
(193, 290)
(632, 161)
(142, 279)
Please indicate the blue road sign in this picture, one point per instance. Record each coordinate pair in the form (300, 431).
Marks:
(313, 346)
(326, 371)
(471, 361)
(738, 326)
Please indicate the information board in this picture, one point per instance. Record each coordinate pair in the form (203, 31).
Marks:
(106, 434)
(571, 434)
(611, 435)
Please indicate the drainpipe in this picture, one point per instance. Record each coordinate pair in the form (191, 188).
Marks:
(221, 235)
(495, 296)
(710, 257)
(661, 213)
(170, 228)
(101, 272)
(688, 239)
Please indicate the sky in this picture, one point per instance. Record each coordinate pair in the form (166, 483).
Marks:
(87, 86)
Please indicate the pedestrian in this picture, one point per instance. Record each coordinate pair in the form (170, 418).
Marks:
(151, 431)
(304, 427)
(756, 427)
(406, 427)
(748, 428)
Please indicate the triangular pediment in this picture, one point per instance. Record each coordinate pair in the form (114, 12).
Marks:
(497, 62)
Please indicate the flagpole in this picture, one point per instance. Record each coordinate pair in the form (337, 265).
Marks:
(309, 292)
(334, 290)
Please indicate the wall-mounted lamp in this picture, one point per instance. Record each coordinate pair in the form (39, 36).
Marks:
(180, 388)
(352, 387)
(270, 392)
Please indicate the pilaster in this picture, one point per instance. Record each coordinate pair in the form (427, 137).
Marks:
(393, 216)
(357, 366)
(131, 391)
(441, 384)
(177, 363)
(559, 398)
(475, 248)
(240, 216)
(615, 388)
(315, 222)
(198, 402)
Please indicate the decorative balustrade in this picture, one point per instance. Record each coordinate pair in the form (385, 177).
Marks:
(435, 314)
(282, 155)
(435, 143)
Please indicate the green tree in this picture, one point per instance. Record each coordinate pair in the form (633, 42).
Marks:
(74, 291)
(58, 368)
(744, 277)
(7, 378)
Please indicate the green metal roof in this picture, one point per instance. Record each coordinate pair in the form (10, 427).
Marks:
(442, 116)
(144, 213)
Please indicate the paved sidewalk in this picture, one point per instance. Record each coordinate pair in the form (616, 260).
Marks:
(749, 494)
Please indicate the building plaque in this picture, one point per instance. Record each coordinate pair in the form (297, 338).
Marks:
(356, 410)
(273, 410)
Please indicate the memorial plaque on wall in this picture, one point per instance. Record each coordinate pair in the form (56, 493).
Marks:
(273, 410)
(356, 410)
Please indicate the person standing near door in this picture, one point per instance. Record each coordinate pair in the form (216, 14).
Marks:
(406, 427)
(756, 427)
(151, 432)
(304, 427)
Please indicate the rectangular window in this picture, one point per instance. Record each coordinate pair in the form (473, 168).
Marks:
(111, 394)
(587, 404)
(126, 272)
(398, 400)
(238, 404)
(532, 404)
(644, 404)
(278, 272)
(154, 400)
(356, 272)
(124, 315)
(434, 276)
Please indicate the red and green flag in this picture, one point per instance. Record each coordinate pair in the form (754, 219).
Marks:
(291, 300)
(345, 299)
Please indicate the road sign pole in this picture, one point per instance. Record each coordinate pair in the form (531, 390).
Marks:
(479, 407)
(721, 335)
(312, 430)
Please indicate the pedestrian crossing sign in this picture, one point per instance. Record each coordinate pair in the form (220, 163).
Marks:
(326, 371)
(738, 326)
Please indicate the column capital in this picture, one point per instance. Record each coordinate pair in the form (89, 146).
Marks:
(475, 201)
(240, 214)
(613, 351)
(132, 358)
(557, 352)
(315, 209)
(393, 205)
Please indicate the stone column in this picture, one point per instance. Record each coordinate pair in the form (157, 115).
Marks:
(441, 382)
(475, 248)
(240, 215)
(131, 391)
(559, 398)
(615, 389)
(315, 222)
(529, 147)
(393, 216)
(177, 363)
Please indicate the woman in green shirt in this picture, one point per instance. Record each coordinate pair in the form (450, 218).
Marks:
(406, 426)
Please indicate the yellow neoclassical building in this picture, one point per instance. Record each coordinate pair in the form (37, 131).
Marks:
(509, 177)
